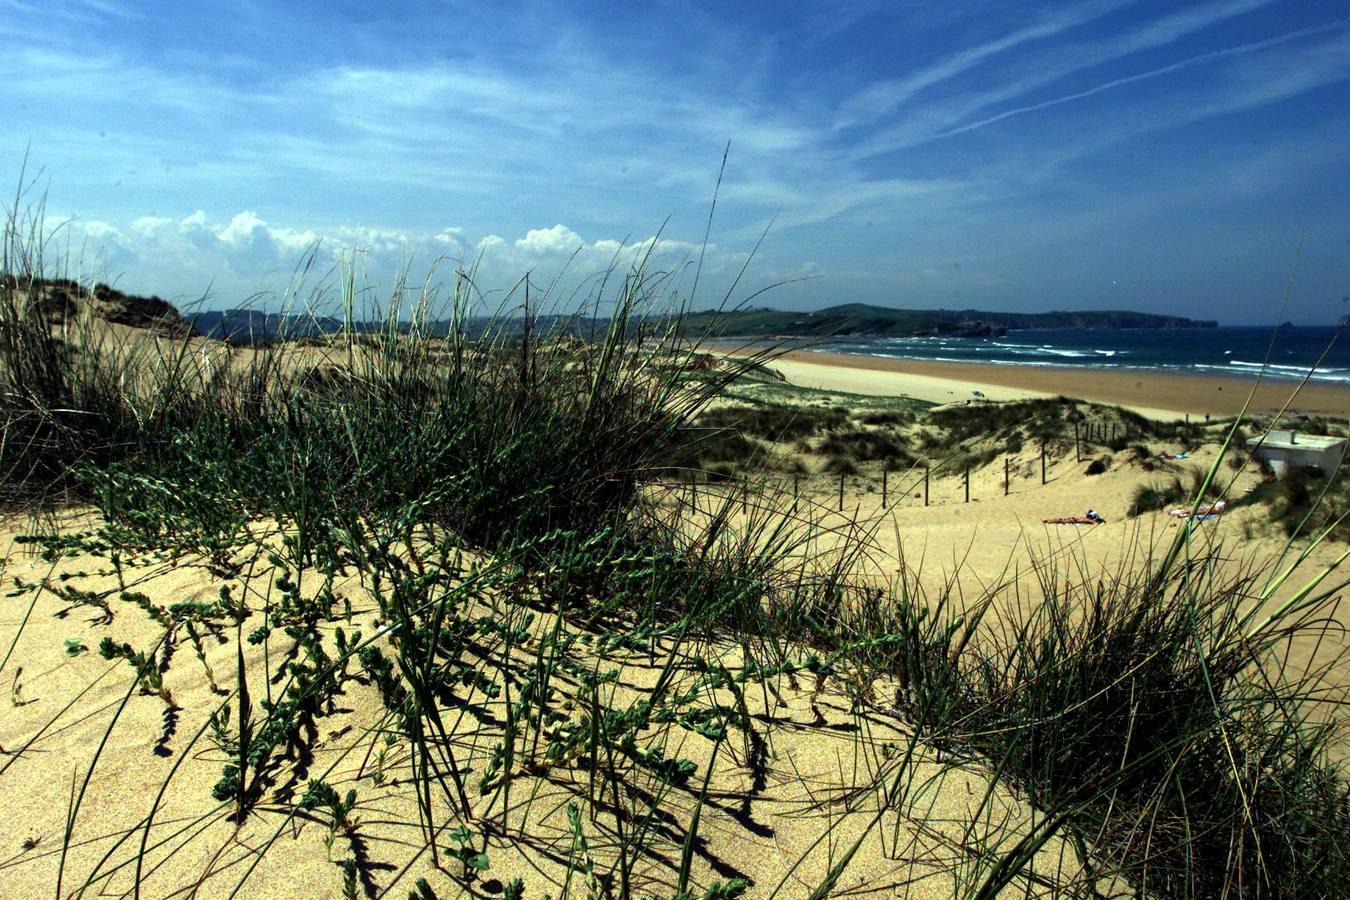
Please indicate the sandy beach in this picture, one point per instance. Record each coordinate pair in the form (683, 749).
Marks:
(1158, 395)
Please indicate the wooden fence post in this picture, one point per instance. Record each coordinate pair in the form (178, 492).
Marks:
(1077, 446)
(795, 492)
(967, 484)
(925, 484)
(1042, 462)
(1005, 476)
(884, 473)
(841, 491)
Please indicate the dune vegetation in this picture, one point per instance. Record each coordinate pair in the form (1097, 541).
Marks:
(403, 614)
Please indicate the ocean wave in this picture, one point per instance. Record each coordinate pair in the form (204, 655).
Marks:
(1067, 354)
(1155, 355)
(1282, 373)
(1052, 350)
(1298, 370)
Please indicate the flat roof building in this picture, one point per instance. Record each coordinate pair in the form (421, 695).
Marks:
(1283, 450)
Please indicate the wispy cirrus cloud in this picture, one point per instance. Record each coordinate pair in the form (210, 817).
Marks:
(880, 99)
(1319, 64)
(885, 138)
(952, 114)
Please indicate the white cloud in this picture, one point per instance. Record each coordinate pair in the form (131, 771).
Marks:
(1318, 67)
(246, 254)
(97, 230)
(149, 226)
(558, 239)
(939, 118)
(881, 98)
(292, 241)
(244, 228)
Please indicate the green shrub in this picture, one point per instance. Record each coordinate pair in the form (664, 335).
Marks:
(774, 423)
(866, 446)
(887, 417)
(1150, 497)
(841, 465)
(1139, 707)
(1305, 501)
(971, 459)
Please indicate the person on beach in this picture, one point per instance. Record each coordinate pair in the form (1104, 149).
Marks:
(1092, 518)
(1205, 509)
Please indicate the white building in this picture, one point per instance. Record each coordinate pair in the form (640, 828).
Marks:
(1283, 450)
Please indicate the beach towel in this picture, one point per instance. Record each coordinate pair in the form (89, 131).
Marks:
(1204, 511)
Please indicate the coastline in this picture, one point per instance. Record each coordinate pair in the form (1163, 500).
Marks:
(1162, 395)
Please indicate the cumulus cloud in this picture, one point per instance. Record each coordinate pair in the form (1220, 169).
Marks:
(244, 255)
(148, 226)
(453, 237)
(96, 230)
(558, 239)
(245, 227)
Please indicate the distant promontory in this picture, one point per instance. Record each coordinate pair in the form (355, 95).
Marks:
(860, 319)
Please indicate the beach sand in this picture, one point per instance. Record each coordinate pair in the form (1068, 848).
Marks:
(820, 747)
(763, 820)
(1154, 394)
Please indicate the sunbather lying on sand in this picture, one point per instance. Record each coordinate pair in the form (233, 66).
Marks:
(1204, 509)
(1091, 517)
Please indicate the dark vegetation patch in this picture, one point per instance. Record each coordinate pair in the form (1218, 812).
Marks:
(1151, 497)
(775, 423)
(1037, 419)
(841, 465)
(1171, 491)
(888, 417)
(866, 445)
(61, 299)
(1306, 501)
(1139, 700)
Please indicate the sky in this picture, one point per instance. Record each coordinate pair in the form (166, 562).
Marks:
(1101, 154)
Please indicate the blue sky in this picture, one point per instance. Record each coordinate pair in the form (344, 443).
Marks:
(1002, 155)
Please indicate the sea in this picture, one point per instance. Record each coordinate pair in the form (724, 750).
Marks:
(1231, 351)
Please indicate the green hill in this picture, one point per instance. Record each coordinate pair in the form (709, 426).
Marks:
(862, 319)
